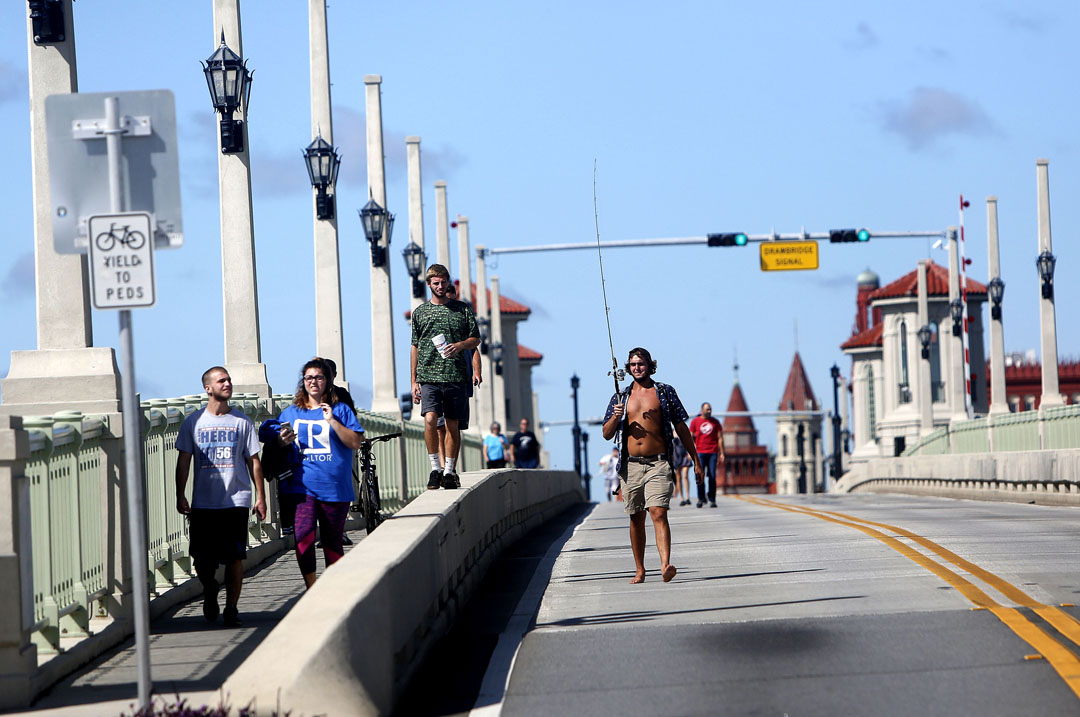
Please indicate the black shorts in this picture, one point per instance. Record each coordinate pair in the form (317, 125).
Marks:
(218, 536)
(450, 400)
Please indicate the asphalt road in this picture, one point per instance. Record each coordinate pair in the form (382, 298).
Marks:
(781, 608)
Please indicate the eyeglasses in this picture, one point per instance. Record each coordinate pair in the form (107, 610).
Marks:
(313, 379)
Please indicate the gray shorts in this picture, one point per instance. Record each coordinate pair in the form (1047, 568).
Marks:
(648, 483)
(450, 400)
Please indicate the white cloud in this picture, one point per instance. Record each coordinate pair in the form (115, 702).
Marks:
(931, 113)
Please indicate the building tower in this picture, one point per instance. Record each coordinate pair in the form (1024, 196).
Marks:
(798, 433)
(746, 464)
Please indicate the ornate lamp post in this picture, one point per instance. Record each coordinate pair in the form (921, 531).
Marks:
(374, 219)
(996, 288)
(322, 163)
(837, 465)
(47, 17)
(925, 334)
(575, 384)
(414, 264)
(229, 82)
(1046, 262)
(956, 310)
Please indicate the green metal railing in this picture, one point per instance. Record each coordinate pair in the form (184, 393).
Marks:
(1057, 428)
(74, 472)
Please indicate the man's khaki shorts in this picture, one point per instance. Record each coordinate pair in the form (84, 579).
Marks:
(647, 483)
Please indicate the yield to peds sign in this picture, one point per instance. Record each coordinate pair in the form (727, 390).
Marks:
(121, 260)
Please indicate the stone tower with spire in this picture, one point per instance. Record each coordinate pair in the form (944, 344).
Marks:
(746, 464)
(798, 435)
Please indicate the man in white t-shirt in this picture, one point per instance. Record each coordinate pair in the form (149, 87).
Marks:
(225, 447)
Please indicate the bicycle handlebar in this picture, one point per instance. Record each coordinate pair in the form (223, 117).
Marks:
(385, 437)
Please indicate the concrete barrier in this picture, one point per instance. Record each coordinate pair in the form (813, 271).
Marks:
(1045, 477)
(351, 643)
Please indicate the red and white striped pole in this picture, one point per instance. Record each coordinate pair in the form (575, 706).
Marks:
(969, 375)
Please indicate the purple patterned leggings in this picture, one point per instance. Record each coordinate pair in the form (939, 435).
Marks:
(331, 519)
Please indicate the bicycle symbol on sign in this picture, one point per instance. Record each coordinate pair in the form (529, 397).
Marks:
(133, 240)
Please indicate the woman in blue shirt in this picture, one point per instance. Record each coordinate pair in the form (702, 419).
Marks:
(327, 432)
(495, 447)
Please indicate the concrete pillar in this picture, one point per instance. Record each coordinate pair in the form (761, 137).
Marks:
(999, 403)
(498, 384)
(416, 206)
(329, 339)
(957, 394)
(383, 376)
(925, 398)
(66, 371)
(240, 300)
(483, 413)
(1051, 395)
(18, 655)
(442, 226)
(465, 269)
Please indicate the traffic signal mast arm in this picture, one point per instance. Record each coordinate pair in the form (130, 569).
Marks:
(710, 240)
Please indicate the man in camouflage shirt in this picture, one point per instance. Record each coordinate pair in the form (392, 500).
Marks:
(440, 381)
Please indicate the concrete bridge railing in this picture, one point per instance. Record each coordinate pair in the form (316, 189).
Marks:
(64, 578)
(351, 644)
(1032, 456)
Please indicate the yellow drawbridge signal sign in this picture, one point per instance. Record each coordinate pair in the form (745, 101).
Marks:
(789, 255)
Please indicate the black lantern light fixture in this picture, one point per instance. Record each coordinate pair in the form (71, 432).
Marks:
(496, 357)
(229, 81)
(996, 288)
(414, 264)
(956, 310)
(47, 18)
(1046, 262)
(375, 219)
(924, 333)
(482, 323)
(322, 162)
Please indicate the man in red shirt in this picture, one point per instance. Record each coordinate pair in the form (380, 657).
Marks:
(709, 441)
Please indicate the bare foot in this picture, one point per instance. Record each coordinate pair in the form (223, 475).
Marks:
(638, 578)
(668, 573)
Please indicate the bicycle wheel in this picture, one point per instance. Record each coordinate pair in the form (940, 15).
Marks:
(105, 241)
(369, 496)
(134, 240)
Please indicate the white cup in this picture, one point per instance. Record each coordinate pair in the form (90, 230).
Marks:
(440, 344)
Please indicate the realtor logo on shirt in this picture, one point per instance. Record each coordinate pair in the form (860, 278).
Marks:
(314, 434)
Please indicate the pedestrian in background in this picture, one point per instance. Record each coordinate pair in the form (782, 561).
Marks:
(225, 448)
(524, 448)
(681, 460)
(327, 431)
(709, 442)
(609, 467)
(495, 447)
(442, 330)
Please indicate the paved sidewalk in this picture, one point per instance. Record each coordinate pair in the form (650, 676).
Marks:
(187, 655)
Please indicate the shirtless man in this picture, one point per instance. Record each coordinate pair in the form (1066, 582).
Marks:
(642, 417)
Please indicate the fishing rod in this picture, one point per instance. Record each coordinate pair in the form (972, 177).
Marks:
(616, 373)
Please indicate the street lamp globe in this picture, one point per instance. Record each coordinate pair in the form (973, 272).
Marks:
(924, 333)
(1046, 262)
(414, 264)
(374, 218)
(229, 82)
(956, 311)
(996, 289)
(322, 163)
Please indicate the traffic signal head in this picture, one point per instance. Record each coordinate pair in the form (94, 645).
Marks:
(728, 239)
(837, 236)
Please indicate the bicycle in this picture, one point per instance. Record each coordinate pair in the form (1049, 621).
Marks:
(369, 505)
(105, 241)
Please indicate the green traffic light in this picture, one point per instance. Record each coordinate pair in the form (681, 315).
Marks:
(863, 235)
(740, 239)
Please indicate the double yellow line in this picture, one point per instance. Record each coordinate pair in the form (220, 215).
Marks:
(1060, 658)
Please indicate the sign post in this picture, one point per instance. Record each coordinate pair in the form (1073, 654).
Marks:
(119, 231)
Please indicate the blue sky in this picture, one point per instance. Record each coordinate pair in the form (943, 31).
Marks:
(702, 117)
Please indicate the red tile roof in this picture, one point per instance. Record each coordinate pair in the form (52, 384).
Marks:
(937, 284)
(798, 396)
(506, 305)
(738, 424)
(527, 354)
(865, 339)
